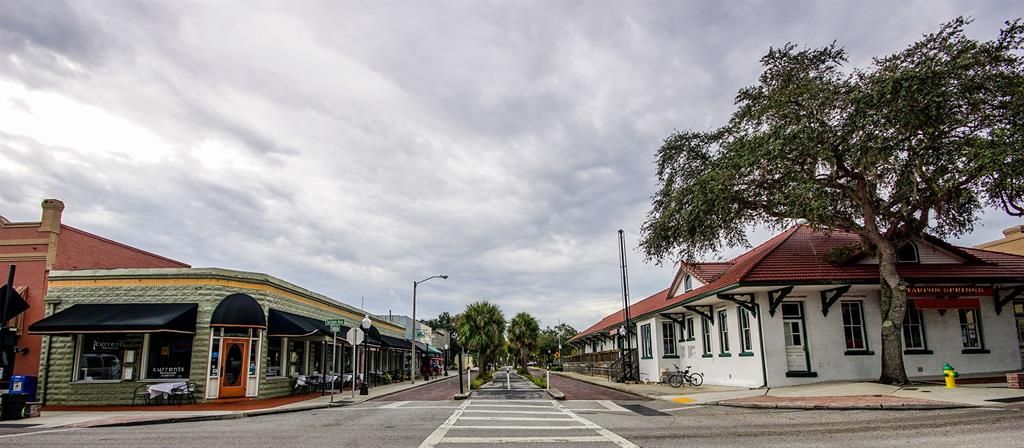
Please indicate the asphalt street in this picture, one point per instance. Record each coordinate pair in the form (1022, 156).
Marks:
(507, 418)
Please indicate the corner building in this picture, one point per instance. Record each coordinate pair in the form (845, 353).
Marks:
(804, 307)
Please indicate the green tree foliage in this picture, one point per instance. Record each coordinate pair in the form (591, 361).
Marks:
(446, 322)
(481, 329)
(920, 141)
(523, 335)
(550, 338)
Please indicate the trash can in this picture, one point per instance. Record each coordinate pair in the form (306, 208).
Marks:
(24, 385)
(12, 407)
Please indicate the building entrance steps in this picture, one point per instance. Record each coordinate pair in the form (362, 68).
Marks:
(99, 416)
(827, 395)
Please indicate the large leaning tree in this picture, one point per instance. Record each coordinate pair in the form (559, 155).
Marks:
(920, 141)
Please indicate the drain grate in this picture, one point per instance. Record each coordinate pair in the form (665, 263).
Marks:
(17, 425)
(1007, 400)
(640, 409)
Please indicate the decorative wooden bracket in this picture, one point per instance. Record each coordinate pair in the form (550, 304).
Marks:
(705, 313)
(748, 305)
(1001, 302)
(829, 297)
(775, 298)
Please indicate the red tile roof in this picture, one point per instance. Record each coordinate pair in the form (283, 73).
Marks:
(800, 255)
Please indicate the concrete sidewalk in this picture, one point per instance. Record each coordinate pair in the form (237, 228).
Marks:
(87, 418)
(828, 395)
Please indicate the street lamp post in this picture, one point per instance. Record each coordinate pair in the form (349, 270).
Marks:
(365, 325)
(446, 360)
(412, 365)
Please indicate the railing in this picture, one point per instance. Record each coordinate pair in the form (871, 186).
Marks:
(593, 364)
(621, 370)
(592, 358)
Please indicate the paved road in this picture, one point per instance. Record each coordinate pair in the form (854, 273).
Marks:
(436, 391)
(515, 419)
(409, 424)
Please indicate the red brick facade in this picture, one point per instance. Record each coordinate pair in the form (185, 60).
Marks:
(38, 247)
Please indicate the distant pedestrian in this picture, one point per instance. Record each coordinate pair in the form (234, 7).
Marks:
(425, 370)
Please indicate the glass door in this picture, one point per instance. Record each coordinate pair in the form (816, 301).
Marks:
(234, 371)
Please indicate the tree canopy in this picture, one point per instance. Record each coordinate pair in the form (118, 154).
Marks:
(481, 329)
(523, 335)
(920, 141)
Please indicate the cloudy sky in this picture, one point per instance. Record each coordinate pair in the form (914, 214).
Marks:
(352, 148)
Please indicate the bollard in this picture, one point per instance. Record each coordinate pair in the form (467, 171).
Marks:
(950, 374)
(547, 379)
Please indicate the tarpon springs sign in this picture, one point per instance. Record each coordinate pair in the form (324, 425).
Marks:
(949, 291)
(948, 297)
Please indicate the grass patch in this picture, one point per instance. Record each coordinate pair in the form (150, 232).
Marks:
(480, 380)
(538, 381)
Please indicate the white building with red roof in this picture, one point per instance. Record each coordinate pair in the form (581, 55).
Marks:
(804, 307)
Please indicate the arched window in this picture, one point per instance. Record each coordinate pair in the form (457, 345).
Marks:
(687, 283)
(907, 253)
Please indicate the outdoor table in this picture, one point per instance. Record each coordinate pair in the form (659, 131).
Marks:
(164, 389)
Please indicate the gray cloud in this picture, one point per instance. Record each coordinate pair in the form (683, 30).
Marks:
(353, 148)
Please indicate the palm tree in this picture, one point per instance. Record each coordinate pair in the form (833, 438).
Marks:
(523, 333)
(482, 330)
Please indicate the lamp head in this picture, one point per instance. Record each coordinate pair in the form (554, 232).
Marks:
(444, 277)
(802, 221)
(365, 324)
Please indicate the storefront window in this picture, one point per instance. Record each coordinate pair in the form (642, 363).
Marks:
(913, 328)
(723, 332)
(645, 341)
(316, 352)
(746, 341)
(296, 358)
(100, 357)
(274, 358)
(215, 357)
(169, 356)
(853, 326)
(668, 338)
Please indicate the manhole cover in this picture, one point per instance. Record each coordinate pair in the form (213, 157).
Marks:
(640, 409)
(17, 425)
(1007, 400)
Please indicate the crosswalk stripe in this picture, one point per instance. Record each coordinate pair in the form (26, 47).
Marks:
(611, 405)
(435, 437)
(527, 439)
(394, 405)
(493, 411)
(517, 426)
(521, 419)
(485, 405)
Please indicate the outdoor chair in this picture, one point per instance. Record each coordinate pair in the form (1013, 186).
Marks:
(141, 391)
(181, 393)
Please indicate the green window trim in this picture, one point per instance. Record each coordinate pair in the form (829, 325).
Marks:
(707, 355)
(859, 353)
(745, 354)
(670, 357)
(918, 352)
(975, 351)
(795, 374)
(646, 357)
(725, 355)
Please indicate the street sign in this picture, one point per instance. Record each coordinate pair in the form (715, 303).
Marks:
(354, 336)
(335, 324)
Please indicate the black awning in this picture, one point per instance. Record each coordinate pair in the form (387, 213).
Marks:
(120, 318)
(393, 342)
(239, 310)
(283, 323)
(17, 304)
(373, 336)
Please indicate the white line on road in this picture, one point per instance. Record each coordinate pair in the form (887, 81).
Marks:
(529, 439)
(435, 437)
(518, 426)
(38, 432)
(679, 409)
(394, 405)
(495, 411)
(485, 405)
(611, 436)
(611, 405)
(521, 419)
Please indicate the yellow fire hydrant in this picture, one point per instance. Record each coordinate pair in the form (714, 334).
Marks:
(951, 375)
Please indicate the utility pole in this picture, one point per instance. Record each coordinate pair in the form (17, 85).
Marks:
(627, 362)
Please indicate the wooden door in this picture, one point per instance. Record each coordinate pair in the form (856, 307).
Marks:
(234, 368)
(796, 337)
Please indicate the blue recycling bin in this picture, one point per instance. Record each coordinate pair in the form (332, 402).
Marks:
(24, 385)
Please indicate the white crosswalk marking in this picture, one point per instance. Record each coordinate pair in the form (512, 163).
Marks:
(558, 424)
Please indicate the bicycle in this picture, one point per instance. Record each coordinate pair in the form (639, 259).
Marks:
(676, 379)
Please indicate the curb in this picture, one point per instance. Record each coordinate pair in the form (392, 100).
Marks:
(611, 386)
(844, 407)
(244, 414)
(556, 394)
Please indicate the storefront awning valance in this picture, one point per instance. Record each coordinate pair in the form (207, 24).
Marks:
(17, 303)
(283, 323)
(428, 349)
(373, 336)
(394, 343)
(120, 318)
(238, 310)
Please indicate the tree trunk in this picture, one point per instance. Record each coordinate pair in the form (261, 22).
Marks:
(893, 304)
